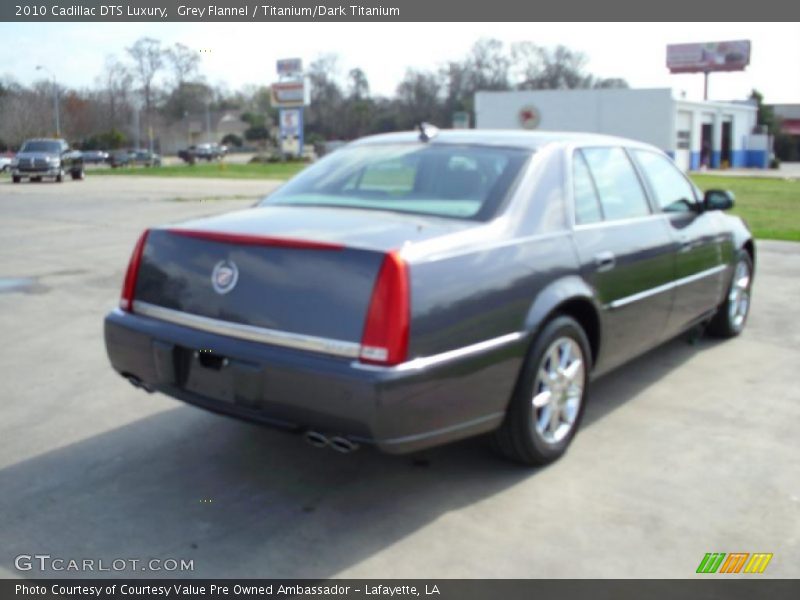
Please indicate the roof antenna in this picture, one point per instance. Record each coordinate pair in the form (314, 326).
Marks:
(427, 131)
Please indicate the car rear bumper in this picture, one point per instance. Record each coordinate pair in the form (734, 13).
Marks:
(397, 409)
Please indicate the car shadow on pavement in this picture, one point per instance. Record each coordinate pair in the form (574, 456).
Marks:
(244, 501)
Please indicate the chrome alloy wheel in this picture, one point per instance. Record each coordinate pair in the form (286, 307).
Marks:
(558, 389)
(739, 296)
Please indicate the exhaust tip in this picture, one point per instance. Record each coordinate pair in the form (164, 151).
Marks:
(337, 443)
(316, 439)
(138, 383)
(343, 445)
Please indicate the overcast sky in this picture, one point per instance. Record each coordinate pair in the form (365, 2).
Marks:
(242, 53)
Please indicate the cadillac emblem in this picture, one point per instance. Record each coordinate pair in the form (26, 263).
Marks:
(224, 276)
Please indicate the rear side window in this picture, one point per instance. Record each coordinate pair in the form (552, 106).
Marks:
(672, 191)
(587, 205)
(621, 193)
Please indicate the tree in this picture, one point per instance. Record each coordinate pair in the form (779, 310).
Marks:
(115, 82)
(148, 60)
(766, 115)
(359, 86)
(188, 97)
(488, 66)
(418, 98)
(183, 61)
(326, 98)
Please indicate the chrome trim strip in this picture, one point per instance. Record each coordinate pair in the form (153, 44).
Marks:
(664, 287)
(249, 332)
(450, 355)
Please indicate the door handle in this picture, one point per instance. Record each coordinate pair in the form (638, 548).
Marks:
(604, 261)
(687, 243)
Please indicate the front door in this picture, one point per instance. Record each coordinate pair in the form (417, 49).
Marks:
(699, 265)
(626, 253)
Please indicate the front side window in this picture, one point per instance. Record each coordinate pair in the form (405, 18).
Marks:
(672, 191)
(467, 182)
(621, 193)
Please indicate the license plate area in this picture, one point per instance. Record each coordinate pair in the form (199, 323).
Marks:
(209, 374)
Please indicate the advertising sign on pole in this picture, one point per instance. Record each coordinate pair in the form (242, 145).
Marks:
(291, 131)
(288, 94)
(289, 67)
(709, 56)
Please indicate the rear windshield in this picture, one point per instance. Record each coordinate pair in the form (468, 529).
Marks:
(41, 146)
(467, 182)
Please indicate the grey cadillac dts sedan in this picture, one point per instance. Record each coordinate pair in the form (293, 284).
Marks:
(416, 288)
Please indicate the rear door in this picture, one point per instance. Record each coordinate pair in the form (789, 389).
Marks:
(699, 275)
(626, 252)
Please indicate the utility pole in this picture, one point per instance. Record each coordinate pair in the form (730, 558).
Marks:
(55, 98)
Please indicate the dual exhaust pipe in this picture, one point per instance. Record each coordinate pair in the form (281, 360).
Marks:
(337, 443)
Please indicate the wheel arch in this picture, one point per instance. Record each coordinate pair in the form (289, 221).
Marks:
(570, 296)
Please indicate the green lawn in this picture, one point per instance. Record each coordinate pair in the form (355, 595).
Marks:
(771, 207)
(214, 169)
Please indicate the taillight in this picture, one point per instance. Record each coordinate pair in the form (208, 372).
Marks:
(385, 339)
(129, 285)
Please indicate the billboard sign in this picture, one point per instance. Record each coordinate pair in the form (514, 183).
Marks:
(289, 67)
(709, 56)
(288, 94)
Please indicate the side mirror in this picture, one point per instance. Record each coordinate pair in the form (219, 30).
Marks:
(718, 200)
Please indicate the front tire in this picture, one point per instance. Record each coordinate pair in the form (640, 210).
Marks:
(545, 411)
(731, 316)
(16, 178)
(78, 175)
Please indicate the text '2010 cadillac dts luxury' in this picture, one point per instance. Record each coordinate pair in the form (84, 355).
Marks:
(412, 289)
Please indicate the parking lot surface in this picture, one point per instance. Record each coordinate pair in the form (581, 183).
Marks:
(690, 449)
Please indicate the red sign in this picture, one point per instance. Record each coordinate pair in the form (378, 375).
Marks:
(287, 94)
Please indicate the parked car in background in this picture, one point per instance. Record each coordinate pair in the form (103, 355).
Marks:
(146, 158)
(131, 158)
(119, 158)
(206, 152)
(412, 289)
(5, 161)
(46, 157)
(95, 157)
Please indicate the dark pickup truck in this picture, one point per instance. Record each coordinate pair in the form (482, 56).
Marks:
(46, 157)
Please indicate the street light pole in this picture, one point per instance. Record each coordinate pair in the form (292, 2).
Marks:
(55, 98)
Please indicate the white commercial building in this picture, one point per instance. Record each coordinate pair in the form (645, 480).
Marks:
(694, 133)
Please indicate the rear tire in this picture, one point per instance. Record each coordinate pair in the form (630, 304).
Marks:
(731, 316)
(16, 179)
(78, 175)
(546, 409)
